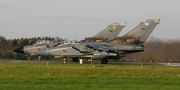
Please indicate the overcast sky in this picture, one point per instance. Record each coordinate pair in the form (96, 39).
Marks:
(76, 19)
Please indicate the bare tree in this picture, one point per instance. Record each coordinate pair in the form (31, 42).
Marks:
(2, 39)
(57, 39)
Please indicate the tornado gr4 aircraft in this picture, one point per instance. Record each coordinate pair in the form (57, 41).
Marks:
(107, 34)
(117, 48)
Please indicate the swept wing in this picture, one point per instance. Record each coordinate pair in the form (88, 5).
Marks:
(101, 47)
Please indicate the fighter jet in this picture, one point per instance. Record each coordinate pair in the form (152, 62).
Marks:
(107, 34)
(117, 48)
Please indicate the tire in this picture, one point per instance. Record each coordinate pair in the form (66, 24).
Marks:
(104, 61)
(39, 60)
(75, 59)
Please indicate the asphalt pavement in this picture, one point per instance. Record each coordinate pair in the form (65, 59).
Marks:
(96, 62)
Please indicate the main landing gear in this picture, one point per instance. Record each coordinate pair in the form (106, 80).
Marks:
(104, 61)
(75, 59)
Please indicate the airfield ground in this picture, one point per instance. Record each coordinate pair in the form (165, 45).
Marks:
(30, 75)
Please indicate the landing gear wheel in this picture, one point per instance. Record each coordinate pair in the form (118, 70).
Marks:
(104, 61)
(75, 59)
(39, 58)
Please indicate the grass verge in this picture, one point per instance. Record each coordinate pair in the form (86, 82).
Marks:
(43, 76)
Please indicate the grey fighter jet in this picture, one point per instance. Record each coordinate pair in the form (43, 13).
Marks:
(117, 48)
(107, 34)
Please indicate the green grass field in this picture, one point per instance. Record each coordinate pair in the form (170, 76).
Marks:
(52, 76)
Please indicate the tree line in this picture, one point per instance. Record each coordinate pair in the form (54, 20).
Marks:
(158, 50)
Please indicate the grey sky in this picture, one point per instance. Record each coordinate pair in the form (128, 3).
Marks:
(76, 19)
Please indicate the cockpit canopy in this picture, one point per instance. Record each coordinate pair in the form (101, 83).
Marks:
(68, 42)
(43, 41)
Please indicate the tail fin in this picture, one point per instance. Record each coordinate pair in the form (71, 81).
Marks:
(141, 32)
(110, 32)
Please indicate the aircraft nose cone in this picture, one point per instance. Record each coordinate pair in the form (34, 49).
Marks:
(19, 50)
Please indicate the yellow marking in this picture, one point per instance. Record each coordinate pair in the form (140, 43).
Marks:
(33, 50)
(114, 27)
(57, 52)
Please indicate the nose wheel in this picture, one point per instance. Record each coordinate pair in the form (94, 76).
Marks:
(39, 58)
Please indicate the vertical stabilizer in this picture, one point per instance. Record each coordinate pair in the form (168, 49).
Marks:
(110, 32)
(141, 32)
